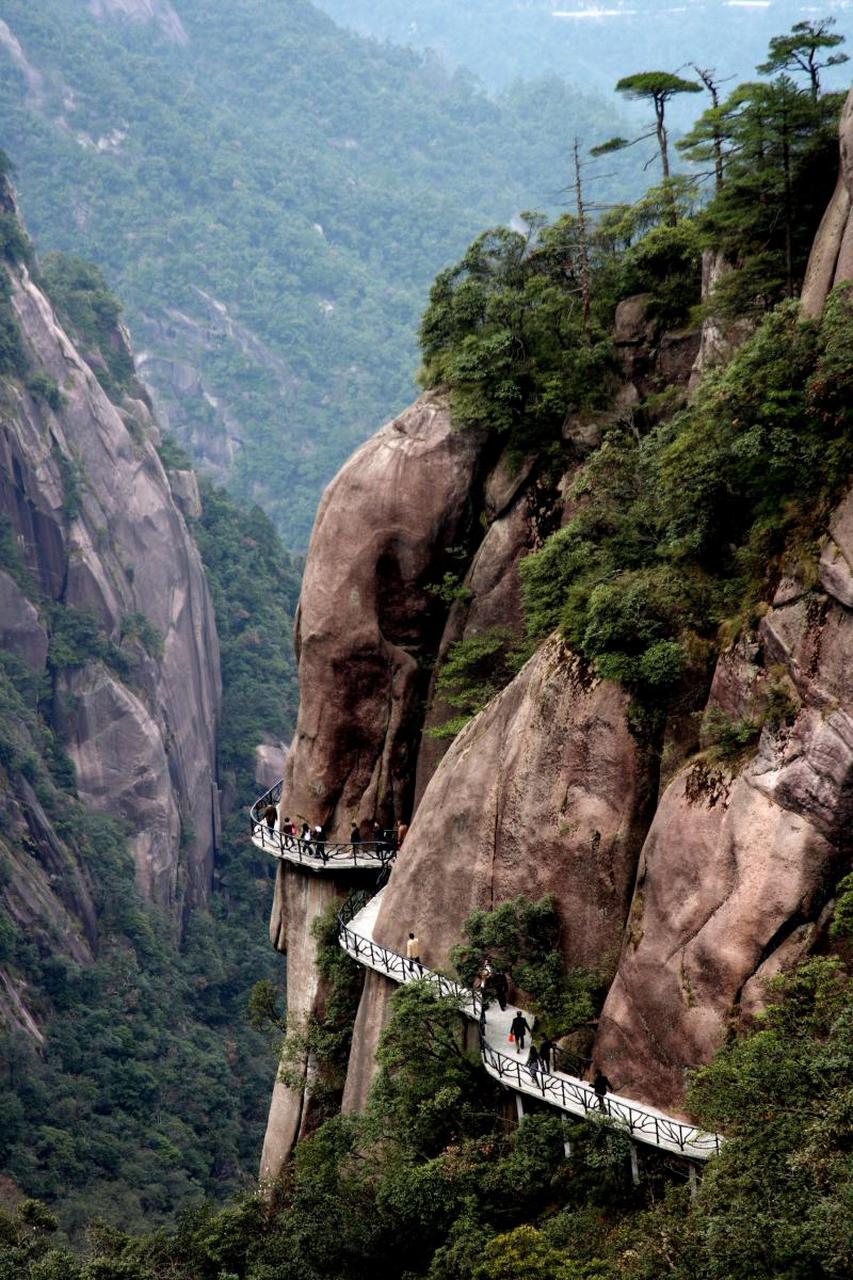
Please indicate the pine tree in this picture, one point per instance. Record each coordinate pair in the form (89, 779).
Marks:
(801, 50)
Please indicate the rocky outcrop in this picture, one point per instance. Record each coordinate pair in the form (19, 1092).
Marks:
(370, 615)
(490, 596)
(738, 866)
(21, 631)
(831, 261)
(99, 532)
(546, 791)
(542, 793)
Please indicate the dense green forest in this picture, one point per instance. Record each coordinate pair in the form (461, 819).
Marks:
(689, 511)
(270, 199)
(149, 1094)
(433, 1181)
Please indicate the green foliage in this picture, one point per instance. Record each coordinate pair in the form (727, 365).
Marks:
(11, 558)
(505, 330)
(136, 626)
(667, 264)
(429, 1087)
(801, 50)
(92, 314)
(76, 638)
(44, 387)
(310, 181)
(11, 349)
(728, 738)
(522, 939)
(418, 1188)
(842, 920)
(173, 456)
(73, 479)
(655, 86)
(778, 149)
(474, 670)
(680, 529)
(255, 587)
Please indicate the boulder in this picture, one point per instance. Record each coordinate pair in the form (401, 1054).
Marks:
(738, 866)
(91, 507)
(370, 615)
(541, 793)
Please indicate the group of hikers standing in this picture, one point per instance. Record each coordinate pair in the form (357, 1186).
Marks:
(392, 837)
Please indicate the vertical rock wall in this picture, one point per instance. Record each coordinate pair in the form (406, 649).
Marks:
(97, 528)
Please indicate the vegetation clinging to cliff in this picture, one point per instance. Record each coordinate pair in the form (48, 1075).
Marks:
(680, 529)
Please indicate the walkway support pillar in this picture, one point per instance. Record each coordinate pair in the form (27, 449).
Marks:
(693, 1179)
(519, 1106)
(635, 1165)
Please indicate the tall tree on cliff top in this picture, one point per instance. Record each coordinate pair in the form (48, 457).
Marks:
(656, 87)
(801, 49)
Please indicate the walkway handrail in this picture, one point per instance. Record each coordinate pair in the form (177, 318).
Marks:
(325, 853)
(393, 963)
(562, 1091)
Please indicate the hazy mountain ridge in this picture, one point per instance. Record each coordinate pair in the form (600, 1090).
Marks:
(271, 198)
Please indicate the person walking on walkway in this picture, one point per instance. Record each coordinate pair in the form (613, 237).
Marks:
(306, 832)
(601, 1086)
(402, 828)
(355, 834)
(288, 828)
(517, 1028)
(270, 816)
(413, 952)
(546, 1051)
(500, 986)
(534, 1063)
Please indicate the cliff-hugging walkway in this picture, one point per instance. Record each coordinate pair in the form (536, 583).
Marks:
(355, 933)
(318, 856)
(646, 1124)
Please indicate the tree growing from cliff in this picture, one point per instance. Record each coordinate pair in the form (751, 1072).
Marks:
(657, 88)
(801, 50)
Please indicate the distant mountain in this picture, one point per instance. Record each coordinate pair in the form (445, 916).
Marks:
(272, 197)
(590, 42)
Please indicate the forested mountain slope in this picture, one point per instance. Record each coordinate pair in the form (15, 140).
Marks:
(271, 197)
(131, 916)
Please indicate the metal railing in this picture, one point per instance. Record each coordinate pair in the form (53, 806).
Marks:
(325, 853)
(398, 967)
(562, 1091)
(570, 1095)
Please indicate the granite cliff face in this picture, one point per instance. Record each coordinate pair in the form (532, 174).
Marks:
(103, 595)
(686, 882)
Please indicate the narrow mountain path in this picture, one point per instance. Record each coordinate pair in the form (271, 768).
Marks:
(644, 1123)
(570, 1094)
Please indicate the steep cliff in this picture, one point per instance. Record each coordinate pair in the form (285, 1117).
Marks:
(104, 593)
(684, 878)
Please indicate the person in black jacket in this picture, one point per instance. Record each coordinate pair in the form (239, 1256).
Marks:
(518, 1026)
(546, 1050)
(355, 834)
(601, 1086)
